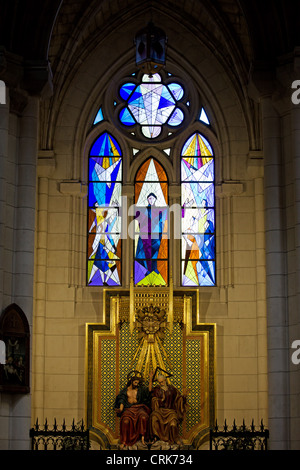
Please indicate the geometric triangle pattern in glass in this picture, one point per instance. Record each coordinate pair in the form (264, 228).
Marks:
(151, 225)
(104, 208)
(198, 248)
(150, 104)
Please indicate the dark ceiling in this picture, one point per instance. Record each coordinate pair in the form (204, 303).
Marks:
(26, 25)
(38, 31)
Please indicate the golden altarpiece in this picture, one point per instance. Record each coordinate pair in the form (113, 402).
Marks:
(146, 328)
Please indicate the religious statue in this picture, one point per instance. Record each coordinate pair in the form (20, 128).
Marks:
(168, 409)
(132, 404)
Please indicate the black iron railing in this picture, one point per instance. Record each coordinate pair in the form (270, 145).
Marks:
(239, 437)
(59, 438)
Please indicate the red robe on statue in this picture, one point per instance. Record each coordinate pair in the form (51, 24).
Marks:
(134, 424)
(135, 417)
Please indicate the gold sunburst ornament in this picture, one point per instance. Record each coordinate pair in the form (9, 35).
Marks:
(151, 324)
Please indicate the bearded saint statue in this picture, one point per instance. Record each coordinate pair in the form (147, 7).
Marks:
(168, 409)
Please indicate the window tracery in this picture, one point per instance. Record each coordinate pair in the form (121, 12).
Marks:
(149, 108)
(198, 212)
(104, 217)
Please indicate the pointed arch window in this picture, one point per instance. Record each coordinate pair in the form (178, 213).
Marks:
(144, 109)
(151, 245)
(198, 212)
(104, 212)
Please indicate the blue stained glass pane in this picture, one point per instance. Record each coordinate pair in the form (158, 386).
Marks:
(151, 225)
(126, 118)
(151, 220)
(104, 247)
(126, 90)
(197, 220)
(197, 146)
(104, 202)
(203, 117)
(198, 213)
(104, 273)
(151, 104)
(105, 145)
(103, 194)
(99, 117)
(198, 246)
(104, 220)
(105, 169)
(176, 118)
(198, 194)
(198, 273)
(176, 90)
(197, 169)
(166, 100)
(136, 98)
(146, 273)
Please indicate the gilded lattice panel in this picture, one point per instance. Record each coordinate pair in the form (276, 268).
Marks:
(108, 382)
(194, 377)
(173, 346)
(128, 346)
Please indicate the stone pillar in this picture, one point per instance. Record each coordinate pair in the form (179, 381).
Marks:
(24, 233)
(277, 329)
(175, 234)
(262, 367)
(4, 124)
(256, 171)
(294, 290)
(127, 233)
(18, 154)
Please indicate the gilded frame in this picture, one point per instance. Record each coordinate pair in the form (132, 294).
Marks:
(96, 333)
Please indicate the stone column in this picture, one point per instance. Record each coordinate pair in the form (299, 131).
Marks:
(277, 330)
(24, 244)
(256, 171)
(127, 234)
(175, 264)
(294, 290)
(4, 125)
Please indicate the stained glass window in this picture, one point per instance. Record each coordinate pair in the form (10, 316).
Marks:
(99, 117)
(104, 218)
(198, 212)
(151, 104)
(151, 225)
(203, 117)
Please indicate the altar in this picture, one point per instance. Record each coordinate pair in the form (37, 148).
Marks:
(146, 330)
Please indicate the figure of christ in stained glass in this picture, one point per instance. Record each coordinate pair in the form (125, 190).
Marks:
(151, 225)
(104, 202)
(198, 212)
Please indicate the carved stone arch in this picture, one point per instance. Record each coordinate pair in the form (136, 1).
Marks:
(15, 333)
